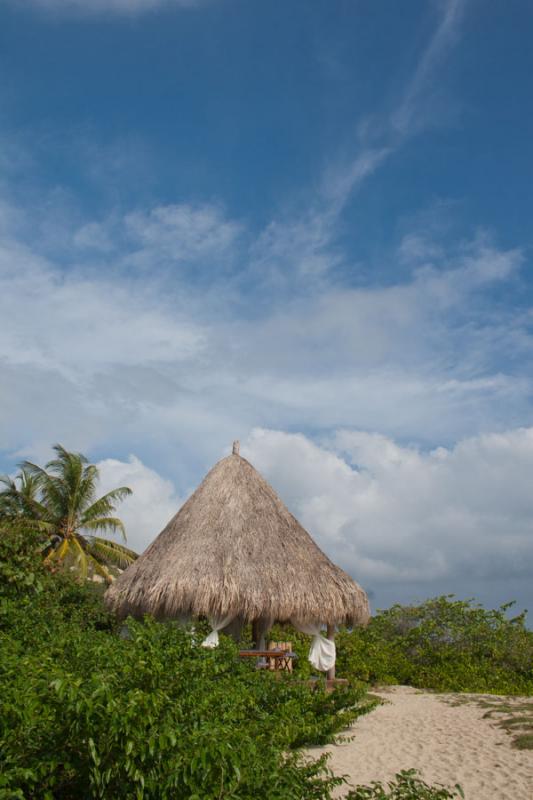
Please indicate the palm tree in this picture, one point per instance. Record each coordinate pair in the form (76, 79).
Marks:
(20, 498)
(60, 500)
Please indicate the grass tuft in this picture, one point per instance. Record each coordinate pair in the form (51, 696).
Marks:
(524, 741)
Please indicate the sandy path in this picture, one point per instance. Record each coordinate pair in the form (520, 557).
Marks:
(448, 744)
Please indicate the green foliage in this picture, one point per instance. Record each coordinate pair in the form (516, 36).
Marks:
(300, 643)
(442, 644)
(21, 569)
(33, 602)
(515, 717)
(88, 713)
(59, 502)
(524, 741)
(19, 497)
(406, 786)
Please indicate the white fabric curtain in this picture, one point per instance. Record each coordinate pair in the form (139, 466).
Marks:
(322, 653)
(217, 624)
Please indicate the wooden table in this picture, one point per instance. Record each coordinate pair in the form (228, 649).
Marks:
(282, 658)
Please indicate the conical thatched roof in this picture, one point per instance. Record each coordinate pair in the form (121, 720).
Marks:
(235, 548)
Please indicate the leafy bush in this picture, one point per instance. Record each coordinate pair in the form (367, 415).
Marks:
(407, 786)
(32, 600)
(442, 644)
(87, 713)
(300, 643)
(154, 715)
(21, 569)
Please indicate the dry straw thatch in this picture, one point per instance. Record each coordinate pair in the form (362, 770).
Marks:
(234, 548)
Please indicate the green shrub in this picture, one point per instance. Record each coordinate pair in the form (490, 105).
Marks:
(442, 644)
(88, 713)
(33, 602)
(300, 643)
(21, 568)
(155, 716)
(407, 786)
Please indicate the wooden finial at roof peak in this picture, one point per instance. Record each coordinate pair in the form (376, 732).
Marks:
(236, 447)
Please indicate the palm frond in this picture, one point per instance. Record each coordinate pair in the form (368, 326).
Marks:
(41, 525)
(111, 552)
(60, 497)
(33, 470)
(112, 524)
(64, 458)
(10, 499)
(87, 487)
(106, 504)
(101, 569)
(82, 561)
(9, 483)
(20, 498)
(54, 491)
(58, 553)
(68, 471)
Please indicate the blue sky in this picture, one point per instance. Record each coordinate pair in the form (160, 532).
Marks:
(306, 225)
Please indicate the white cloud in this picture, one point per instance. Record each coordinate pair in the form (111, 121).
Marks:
(76, 324)
(120, 354)
(295, 251)
(341, 180)
(107, 6)
(148, 364)
(390, 513)
(424, 355)
(400, 519)
(153, 503)
(445, 36)
(300, 248)
(183, 233)
(93, 236)
(383, 134)
(140, 332)
(416, 248)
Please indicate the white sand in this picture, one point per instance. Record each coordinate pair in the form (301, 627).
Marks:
(448, 744)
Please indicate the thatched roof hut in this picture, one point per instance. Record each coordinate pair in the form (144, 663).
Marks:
(234, 549)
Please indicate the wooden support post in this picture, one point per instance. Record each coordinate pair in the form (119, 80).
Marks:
(260, 628)
(331, 635)
(255, 634)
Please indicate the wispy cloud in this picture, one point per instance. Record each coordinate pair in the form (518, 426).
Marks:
(300, 247)
(92, 7)
(385, 132)
(127, 343)
(75, 324)
(177, 239)
(403, 119)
